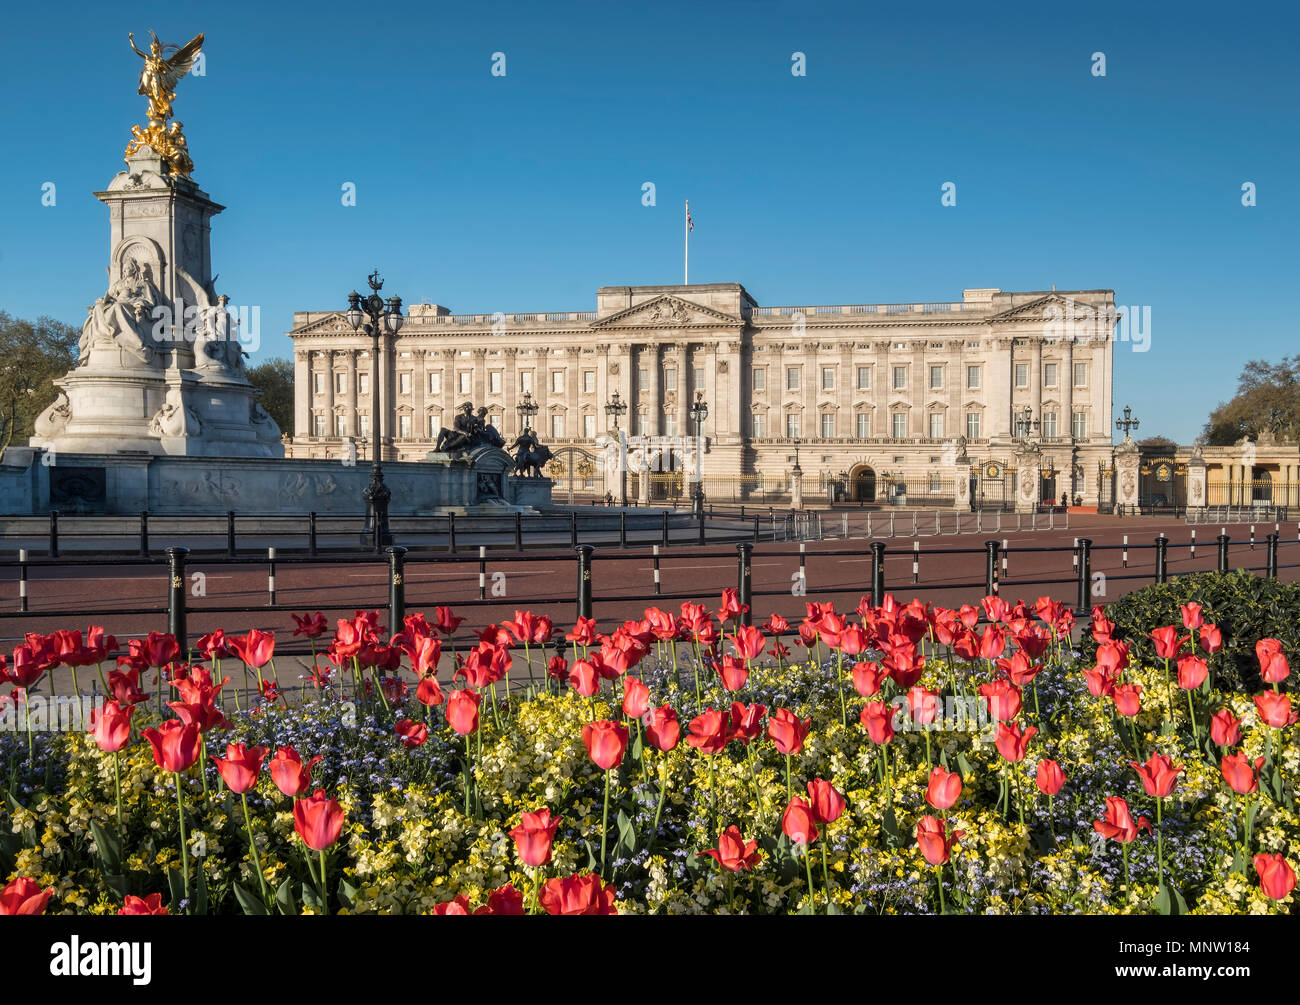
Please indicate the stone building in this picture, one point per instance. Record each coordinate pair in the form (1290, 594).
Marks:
(941, 403)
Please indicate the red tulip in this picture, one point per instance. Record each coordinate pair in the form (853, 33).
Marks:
(290, 775)
(935, 844)
(731, 605)
(787, 731)
(1128, 699)
(507, 901)
(1012, 742)
(826, 801)
(1192, 618)
(1225, 728)
(749, 642)
(733, 853)
(533, 837)
(111, 726)
(777, 625)
(557, 668)
(584, 678)
(457, 906)
(445, 622)
(313, 626)
(867, 678)
(995, 608)
(923, 705)
(733, 672)
(944, 788)
(24, 896)
(1274, 708)
(1241, 775)
(636, 698)
(1112, 657)
(1050, 777)
(1118, 824)
(240, 767)
(606, 742)
(1275, 876)
(1158, 774)
(175, 744)
(152, 904)
(708, 733)
(318, 820)
(1273, 666)
(1211, 638)
(746, 721)
(662, 728)
(1003, 699)
(462, 711)
(577, 895)
(428, 692)
(159, 649)
(878, 718)
(797, 822)
(1192, 671)
(256, 648)
(412, 734)
(123, 685)
(584, 632)
(993, 642)
(1167, 642)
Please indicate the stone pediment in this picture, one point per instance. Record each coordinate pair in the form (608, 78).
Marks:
(1052, 307)
(666, 312)
(333, 324)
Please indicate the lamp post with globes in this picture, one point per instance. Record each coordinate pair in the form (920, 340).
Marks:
(615, 408)
(527, 408)
(374, 316)
(699, 412)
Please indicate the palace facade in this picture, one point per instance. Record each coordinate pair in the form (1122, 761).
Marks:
(881, 403)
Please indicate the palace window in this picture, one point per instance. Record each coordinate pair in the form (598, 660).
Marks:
(1022, 375)
(973, 378)
(828, 378)
(864, 378)
(1079, 425)
(435, 383)
(900, 425)
(864, 425)
(588, 381)
(1080, 374)
(340, 425)
(758, 379)
(318, 383)
(670, 378)
(463, 381)
(1049, 375)
(936, 425)
(828, 425)
(525, 381)
(404, 426)
(792, 426)
(758, 424)
(363, 425)
(1049, 423)
(670, 424)
(340, 383)
(643, 379)
(642, 423)
(697, 376)
(900, 378)
(972, 425)
(435, 423)
(589, 426)
(404, 383)
(494, 382)
(936, 378)
(557, 426)
(320, 423)
(792, 374)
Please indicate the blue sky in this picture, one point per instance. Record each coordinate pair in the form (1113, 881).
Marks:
(523, 192)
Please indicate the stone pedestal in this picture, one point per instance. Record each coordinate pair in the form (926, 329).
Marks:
(1197, 488)
(1029, 482)
(1127, 479)
(796, 488)
(160, 366)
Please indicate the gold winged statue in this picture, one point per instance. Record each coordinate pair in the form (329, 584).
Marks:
(158, 79)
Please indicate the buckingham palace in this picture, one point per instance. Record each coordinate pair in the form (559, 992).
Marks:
(870, 403)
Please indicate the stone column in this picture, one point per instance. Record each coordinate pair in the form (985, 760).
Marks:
(573, 396)
(354, 363)
(327, 358)
(510, 396)
(302, 393)
(1196, 481)
(796, 488)
(653, 396)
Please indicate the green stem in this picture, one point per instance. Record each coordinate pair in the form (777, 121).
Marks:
(807, 862)
(604, 827)
(938, 875)
(185, 850)
(257, 859)
(117, 786)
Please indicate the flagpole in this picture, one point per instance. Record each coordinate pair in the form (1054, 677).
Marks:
(686, 266)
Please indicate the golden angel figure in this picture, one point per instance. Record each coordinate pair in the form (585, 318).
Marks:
(161, 74)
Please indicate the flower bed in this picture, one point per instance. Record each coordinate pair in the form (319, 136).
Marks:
(902, 759)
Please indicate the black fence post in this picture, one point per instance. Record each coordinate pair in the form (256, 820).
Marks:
(311, 533)
(1162, 558)
(22, 579)
(176, 596)
(396, 587)
(230, 533)
(451, 533)
(664, 515)
(54, 533)
(482, 572)
(701, 525)
(584, 579)
(990, 568)
(1085, 575)
(756, 528)
(144, 533)
(270, 577)
(877, 573)
(1271, 552)
(622, 529)
(519, 532)
(1223, 552)
(744, 584)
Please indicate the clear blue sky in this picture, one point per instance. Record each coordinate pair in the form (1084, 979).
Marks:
(523, 192)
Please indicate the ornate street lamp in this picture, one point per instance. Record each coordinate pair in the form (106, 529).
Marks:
(1026, 423)
(374, 316)
(615, 408)
(699, 412)
(527, 409)
(1128, 422)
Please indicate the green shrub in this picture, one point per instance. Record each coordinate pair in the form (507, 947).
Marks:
(1246, 608)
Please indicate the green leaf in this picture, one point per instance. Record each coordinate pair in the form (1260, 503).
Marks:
(176, 884)
(250, 903)
(347, 892)
(1169, 901)
(889, 825)
(626, 843)
(963, 766)
(109, 846)
(201, 891)
(284, 898)
(311, 897)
